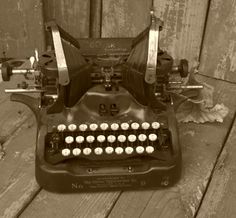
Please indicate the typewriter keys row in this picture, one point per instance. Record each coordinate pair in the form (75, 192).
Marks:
(105, 126)
(108, 150)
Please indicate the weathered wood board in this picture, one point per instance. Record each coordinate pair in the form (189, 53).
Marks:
(72, 15)
(220, 197)
(199, 155)
(218, 56)
(21, 28)
(184, 22)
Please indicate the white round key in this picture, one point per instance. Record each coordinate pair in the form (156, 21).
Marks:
(145, 125)
(129, 150)
(155, 125)
(111, 138)
(79, 139)
(65, 152)
(72, 127)
(83, 127)
(140, 149)
(61, 127)
(104, 126)
(76, 151)
(132, 138)
(109, 150)
(69, 139)
(124, 126)
(149, 149)
(101, 138)
(87, 151)
(121, 138)
(93, 126)
(135, 126)
(90, 139)
(142, 137)
(114, 126)
(98, 151)
(152, 137)
(119, 150)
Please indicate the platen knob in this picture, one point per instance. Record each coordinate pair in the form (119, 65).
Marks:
(129, 150)
(111, 138)
(109, 150)
(140, 149)
(98, 151)
(87, 151)
(76, 151)
(155, 125)
(69, 139)
(132, 138)
(114, 126)
(145, 125)
(65, 152)
(119, 150)
(124, 126)
(121, 138)
(135, 126)
(152, 137)
(149, 149)
(72, 127)
(83, 127)
(93, 126)
(142, 137)
(101, 138)
(104, 126)
(79, 139)
(61, 127)
(90, 139)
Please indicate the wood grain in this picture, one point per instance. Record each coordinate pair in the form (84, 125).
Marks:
(218, 57)
(72, 15)
(199, 152)
(220, 198)
(21, 28)
(183, 23)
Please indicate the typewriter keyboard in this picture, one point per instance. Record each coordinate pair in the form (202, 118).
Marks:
(105, 141)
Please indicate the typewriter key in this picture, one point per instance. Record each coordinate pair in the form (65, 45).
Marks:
(69, 139)
(152, 137)
(149, 149)
(114, 126)
(65, 152)
(145, 125)
(79, 139)
(132, 138)
(155, 125)
(87, 151)
(83, 127)
(98, 151)
(119, 150)
(93, 126)
(90, 139)
(111, 138)
(109, 150)
(104, 126)
(72, 127)
(135, 126)
(124, 126)
(142, 137)
(121, 138)
(129, 150)
(61, 127)
(140, 149)
(101, 138)
(76, 151)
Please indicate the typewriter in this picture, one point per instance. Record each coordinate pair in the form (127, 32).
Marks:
(104, 109)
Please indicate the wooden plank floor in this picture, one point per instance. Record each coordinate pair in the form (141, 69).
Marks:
(201, 146)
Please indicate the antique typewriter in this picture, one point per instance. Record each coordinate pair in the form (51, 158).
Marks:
(104, 111)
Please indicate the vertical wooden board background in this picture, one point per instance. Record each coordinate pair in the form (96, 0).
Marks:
(72, 15)
(218, 58)
(21, 26)
(184, 22)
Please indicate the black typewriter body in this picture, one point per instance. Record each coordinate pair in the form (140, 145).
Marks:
(106, 119)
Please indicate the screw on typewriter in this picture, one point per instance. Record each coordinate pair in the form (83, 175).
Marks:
(105, 113)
